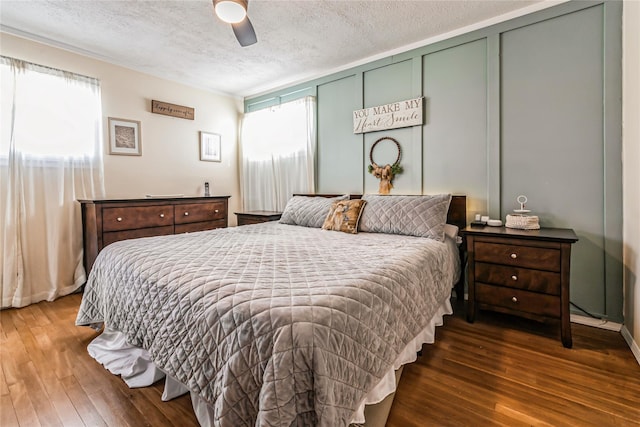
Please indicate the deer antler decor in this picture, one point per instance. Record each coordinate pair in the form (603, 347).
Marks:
(387, 172)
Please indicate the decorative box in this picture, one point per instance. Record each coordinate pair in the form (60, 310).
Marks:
(523, 222)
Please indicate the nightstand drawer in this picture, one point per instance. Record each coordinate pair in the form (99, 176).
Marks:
(518, 300)
(520, 278)
(520, 256)
(257, 217)
(198, 212)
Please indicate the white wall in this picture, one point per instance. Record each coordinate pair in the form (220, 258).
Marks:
(631, 171)
(170, 146)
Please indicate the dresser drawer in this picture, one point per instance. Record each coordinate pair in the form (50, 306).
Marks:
(116, 236)
(200, 226)
(518, 300)
(516, 277)
(132, 217)
(519, 256)
(199, 212)
(106, 221)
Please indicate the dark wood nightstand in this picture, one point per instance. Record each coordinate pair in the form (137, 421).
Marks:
(521, 272)
(257, 217)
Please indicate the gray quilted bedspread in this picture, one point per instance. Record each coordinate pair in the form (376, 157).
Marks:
(272, 324)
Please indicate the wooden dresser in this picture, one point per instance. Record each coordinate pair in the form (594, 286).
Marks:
(521, 272)
(108, 221)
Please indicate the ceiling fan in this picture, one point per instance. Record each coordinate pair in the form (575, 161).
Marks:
(234, 12)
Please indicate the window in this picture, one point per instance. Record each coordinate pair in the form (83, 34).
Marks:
(52, 113)
(278, 152)
(50, 156)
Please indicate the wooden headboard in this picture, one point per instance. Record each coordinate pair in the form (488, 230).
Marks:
(457, 214)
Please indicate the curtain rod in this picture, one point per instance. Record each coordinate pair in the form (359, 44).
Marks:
(22, 64)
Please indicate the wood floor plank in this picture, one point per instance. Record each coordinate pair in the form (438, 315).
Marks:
(106, 411)
(541, 372)
(145, 406)
(40, 400)
(498, 371)
(82, 403)
(46, 368)
(180, 407)
(7, 413)
(22, 405)
(510, 392)
(520, 369)
(4, 388)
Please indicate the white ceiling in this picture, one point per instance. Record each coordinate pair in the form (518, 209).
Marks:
(183, 41)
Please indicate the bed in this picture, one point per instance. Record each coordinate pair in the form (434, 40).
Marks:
(280, 323)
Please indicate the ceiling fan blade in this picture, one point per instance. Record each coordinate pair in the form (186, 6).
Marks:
(244, 32)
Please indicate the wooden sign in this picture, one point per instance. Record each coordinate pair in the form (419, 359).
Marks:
(389, 116)
(173, 110)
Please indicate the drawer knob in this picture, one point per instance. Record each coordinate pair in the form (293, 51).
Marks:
(119, 219)
(514, 277)
(186, 214)
(514, 256)
(216, 211)
(161, 215)
(514, 299)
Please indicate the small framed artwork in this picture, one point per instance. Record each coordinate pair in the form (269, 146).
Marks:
(125, 137)
(210, 145)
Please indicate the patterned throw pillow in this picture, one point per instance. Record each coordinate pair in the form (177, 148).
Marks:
(307, 211)
(421, 216)
(344, 216)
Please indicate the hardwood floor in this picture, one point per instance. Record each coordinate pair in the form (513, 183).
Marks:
(498, 371)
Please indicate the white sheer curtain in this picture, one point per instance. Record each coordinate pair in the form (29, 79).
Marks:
(278, 154)
(50, 156)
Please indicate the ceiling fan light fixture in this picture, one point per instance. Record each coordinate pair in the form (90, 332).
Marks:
(230, 11)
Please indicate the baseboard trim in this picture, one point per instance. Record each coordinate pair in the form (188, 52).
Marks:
(631, 342)
(596, 323)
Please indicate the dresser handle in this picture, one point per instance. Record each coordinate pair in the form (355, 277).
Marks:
(514, 277)
(161, 215)
(514, 299)
(514, 256)
(186, 214)
(216, 211)
(119, 219)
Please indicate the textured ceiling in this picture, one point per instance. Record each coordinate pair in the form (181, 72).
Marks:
(183, 40)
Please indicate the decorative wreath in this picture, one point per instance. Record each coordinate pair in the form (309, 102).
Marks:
(387, 172)
(395, 167)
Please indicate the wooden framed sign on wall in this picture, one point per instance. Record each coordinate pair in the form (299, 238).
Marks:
(172, 110)
(125, 137)
(389, 116)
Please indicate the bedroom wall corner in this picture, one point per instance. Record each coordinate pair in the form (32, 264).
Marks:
(170, 161)
(631, 172)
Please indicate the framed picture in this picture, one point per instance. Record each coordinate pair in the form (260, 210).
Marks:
(125, 137)
(210, 144)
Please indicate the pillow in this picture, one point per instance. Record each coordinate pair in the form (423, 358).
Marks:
(307, 211)
(451, 231)
(344, 216)
(422, 216)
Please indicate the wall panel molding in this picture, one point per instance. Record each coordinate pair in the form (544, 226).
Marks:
(463, 148)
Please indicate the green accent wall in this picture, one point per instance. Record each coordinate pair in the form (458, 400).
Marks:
(528, 106)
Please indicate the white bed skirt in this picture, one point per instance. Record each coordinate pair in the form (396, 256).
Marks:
(135, 367)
